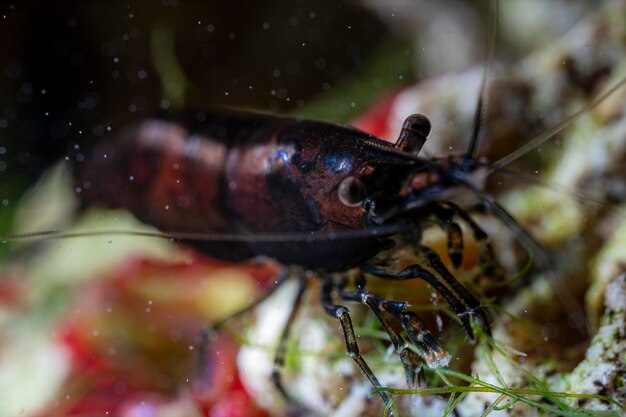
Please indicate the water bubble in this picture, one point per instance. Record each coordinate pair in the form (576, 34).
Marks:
(25, 93)
(13, 70)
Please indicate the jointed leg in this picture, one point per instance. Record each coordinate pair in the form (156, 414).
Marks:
(428, 346)
(458, 297)
(445, 212)
(473, 307)
(410, 361)
(444, 217)
(342, 314)
(487, 259)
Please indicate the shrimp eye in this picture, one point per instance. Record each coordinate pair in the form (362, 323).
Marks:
(352, 192)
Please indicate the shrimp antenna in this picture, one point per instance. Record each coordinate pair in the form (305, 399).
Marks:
(481, 104)
(580, 197)
(542, 258)
(550, 132)
(280, 237)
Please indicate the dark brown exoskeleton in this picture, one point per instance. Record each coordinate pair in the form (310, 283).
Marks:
(312, 195)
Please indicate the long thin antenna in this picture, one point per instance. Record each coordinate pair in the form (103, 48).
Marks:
(580, 197)
(549, 133)
(541, 257)
(279, 237)
(481, 104)
(539, 254)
